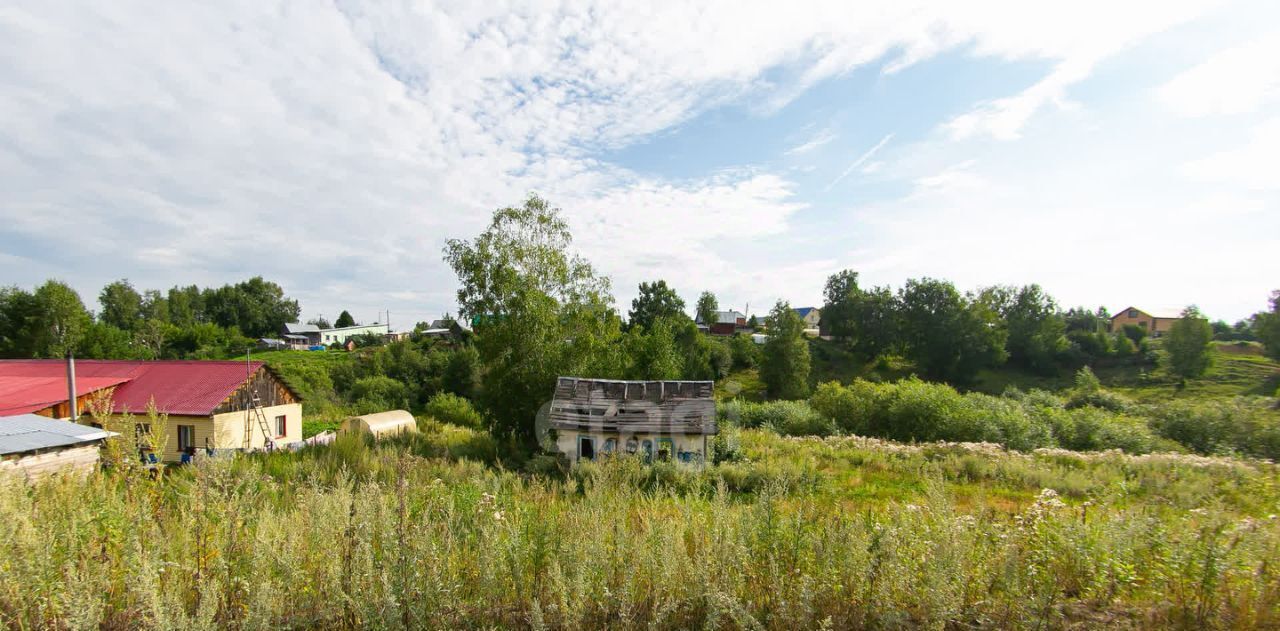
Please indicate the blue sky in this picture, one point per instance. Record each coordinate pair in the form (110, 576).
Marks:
(1116, 155)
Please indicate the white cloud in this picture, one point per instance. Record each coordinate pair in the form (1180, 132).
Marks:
(335, 147)
(1239, 80)
(1253, 166)
(818, 140)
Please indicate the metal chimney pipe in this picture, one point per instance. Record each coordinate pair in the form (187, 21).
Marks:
(71, 385)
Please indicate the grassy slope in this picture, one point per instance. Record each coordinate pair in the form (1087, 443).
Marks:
(307, 372)
(1233, 373)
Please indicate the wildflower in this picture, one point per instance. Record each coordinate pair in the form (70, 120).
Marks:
(498, 516)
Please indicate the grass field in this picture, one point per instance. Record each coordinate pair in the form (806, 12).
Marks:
(840, 533)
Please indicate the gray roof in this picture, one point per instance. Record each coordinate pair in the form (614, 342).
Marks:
(29, 432)
(728, 317)
(299, 328)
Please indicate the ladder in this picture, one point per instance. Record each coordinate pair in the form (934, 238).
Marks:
(255, 415)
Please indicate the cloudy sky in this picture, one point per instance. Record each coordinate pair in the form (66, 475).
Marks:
(1114, 152)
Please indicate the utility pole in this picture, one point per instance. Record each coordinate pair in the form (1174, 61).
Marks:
(71, 384)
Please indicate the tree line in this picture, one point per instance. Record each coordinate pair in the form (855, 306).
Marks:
(951, 336)
(183, 322)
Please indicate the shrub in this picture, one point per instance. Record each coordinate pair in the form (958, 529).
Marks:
(745, 352)
(852, 408)
(455, 410)
(378, 394)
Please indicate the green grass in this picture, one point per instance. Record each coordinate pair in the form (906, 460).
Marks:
(1233, 373)
(307, 373)
(741, 384)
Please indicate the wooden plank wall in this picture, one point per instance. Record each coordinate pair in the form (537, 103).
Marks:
(69, 460)
(631, 406)
(270, 390)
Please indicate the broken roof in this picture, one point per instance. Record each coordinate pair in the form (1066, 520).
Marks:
(28, 432)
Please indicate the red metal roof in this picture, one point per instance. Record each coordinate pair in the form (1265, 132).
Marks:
(192, 388)
(22, 395)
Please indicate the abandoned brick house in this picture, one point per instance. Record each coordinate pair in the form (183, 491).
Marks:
(660, 420)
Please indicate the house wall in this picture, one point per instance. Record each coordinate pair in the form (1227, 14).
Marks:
(204, 434)
(66, 460)
(228, 427)
(812, 319)
(1153, 325)
(329, 336)
(567, 442)
(723, 328)
(226, 430)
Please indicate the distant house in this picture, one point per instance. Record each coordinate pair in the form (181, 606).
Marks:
(812, 317)
(271, 344)
(659, 420)
(447, 329)
(36, 446)
(212, 405)
(1156, 322)
(300, 336)
(295, 332)
(728, 323)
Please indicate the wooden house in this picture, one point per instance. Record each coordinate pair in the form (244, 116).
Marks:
(36, 446)
(212, 405)
(1156, 322)
(659, 420)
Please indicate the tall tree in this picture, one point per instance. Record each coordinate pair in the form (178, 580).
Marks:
(707, 308)
(320, 323)
(1266, 326)
(121, 305)
(19, 309)
(865, 320)
(656, 300)
(344, 319)
(256, 307)
(840, 295)
(785, 370)
(949, 336)
(186, 306)
(1189, 345)
(540, 311)
(155, 306)
(1036, 332)
(62, 321)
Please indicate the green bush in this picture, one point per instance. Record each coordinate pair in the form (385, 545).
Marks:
(455, 410)
(1241, 426)
(379, 394)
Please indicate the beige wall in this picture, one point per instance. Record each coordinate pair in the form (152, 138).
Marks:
(71, 460)
(229, 427)
(226, 431)
(567, 442)
(1151, 323)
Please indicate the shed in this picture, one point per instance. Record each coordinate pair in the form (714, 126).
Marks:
(382, 424)
(35, 446)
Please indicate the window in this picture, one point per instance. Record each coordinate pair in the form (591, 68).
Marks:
(633, 445)
(647, 445)
(186, 438)
(586, 448)
(610, 445)
(665, 449)
(1133, 313)
(282, 427)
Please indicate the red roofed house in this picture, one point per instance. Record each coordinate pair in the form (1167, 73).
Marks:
(211, 404)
